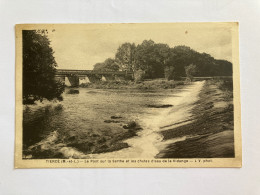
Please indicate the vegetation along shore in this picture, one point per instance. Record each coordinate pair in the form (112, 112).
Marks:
(209, 132)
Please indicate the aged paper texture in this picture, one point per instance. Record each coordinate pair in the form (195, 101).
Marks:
(127, 95)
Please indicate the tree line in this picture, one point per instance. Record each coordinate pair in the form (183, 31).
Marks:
(157, 60)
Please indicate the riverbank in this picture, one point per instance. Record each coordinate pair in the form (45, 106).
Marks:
(210, 132)
(144, 85)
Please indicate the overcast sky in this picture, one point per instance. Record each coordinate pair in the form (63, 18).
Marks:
(82, 46)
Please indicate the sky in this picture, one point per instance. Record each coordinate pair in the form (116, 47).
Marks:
(82, 46)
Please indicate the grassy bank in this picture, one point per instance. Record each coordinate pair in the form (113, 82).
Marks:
(210, 132)
(148, 84)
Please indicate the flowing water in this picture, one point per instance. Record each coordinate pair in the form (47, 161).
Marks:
(76, 127)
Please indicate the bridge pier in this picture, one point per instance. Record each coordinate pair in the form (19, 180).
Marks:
(72, 81)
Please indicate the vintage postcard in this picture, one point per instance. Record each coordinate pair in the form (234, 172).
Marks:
(128, 95)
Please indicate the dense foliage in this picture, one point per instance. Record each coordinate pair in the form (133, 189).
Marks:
(39, 68)
(158, 60)
(108, 65)
(125, 56)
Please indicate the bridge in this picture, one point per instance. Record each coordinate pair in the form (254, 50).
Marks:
(77, 77)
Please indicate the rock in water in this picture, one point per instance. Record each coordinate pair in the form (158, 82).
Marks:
(111, 121)
(159, 106)
(130, 125)
(116, 117)
(73, 91)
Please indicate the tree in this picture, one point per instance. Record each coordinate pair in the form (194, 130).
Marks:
(181, 56)
(108, 65)
(190, 71)
(151, 58)
(143, 57)
(169, 72)
(206, 65)
(125, 56)
(224, 68)
(39, 68)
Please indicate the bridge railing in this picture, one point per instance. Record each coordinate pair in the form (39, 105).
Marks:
(90, 72)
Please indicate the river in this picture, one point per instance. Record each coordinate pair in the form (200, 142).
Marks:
(88, 124)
